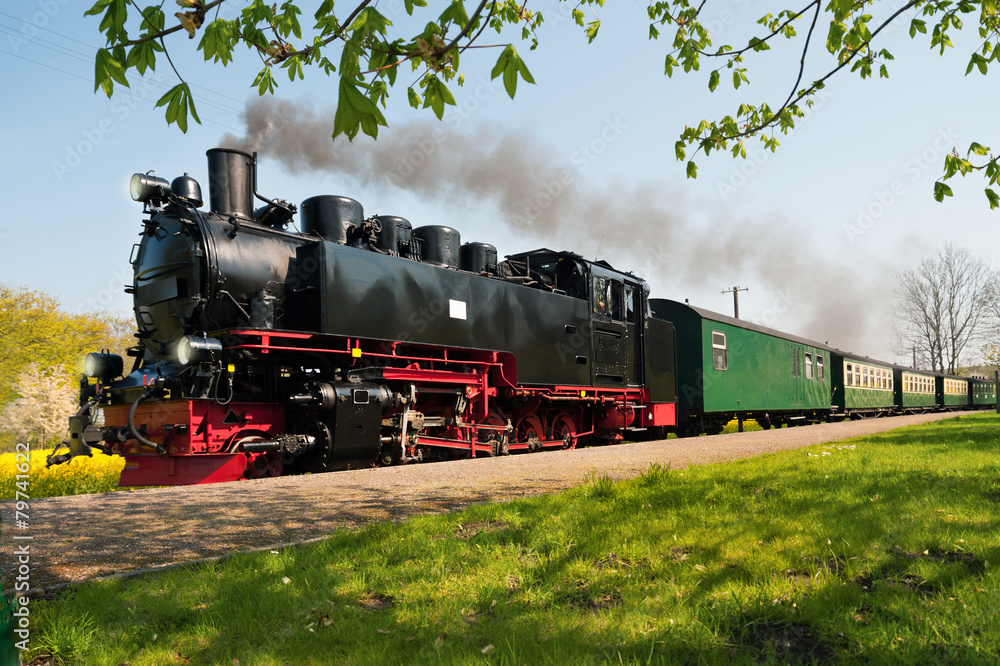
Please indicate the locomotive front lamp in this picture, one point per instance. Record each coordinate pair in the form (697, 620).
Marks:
(102, 365)
(145, 187)
(193, 349)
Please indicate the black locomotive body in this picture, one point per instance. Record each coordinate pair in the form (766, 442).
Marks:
(358, 341)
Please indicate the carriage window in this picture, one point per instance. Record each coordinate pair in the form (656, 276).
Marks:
(819, 367)
(809, 365)
(719, 359)
(849, 374)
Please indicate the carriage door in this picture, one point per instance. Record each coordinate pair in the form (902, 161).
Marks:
(609, 342)
(795, 395)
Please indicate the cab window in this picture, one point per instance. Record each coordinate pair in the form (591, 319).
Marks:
(630, 303)
(602, 296)
(617, 301)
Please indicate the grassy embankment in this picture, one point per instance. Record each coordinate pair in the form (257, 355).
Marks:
(872, 550)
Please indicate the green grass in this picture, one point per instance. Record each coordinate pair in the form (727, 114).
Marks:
(880, 549)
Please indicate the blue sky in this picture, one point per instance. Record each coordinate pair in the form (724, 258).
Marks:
(817, 231)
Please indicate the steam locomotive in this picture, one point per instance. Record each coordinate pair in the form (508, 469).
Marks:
(362, 340)
(264, 351)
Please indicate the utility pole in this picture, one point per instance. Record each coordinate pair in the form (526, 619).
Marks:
(735, 291)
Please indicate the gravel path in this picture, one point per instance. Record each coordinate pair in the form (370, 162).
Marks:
(87, 536)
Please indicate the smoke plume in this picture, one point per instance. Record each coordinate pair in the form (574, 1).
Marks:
(648, 226)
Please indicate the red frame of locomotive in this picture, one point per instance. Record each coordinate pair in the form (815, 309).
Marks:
(197, 433)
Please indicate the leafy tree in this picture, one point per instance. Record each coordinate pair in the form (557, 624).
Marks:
(35, 330)
(991, 353)
(943, 307)
(365, 51)
(46, 399)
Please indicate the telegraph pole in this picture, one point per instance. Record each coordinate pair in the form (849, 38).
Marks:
(735, 291)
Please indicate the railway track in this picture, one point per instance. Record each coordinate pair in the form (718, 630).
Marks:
(90, 536)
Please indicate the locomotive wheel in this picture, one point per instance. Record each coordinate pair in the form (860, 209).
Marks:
(498, 439)
(259, 465)
(263, 466)
(564, 428)
(529, 430)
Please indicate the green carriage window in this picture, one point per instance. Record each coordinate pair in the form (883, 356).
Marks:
(849, 374)
(809, 365)
(819, 367)
(719, 358)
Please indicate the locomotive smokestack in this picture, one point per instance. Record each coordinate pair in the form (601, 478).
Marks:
(230, 182)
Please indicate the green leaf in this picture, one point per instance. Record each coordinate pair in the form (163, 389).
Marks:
(410, 4)
(836, 37)
(692, 169)
(455, 12)
(369, 20)
(264, 82)
(179, 103)
(436, 95)
(288, 22)
(107, 70)
(413, 97)
(669, 64)
(510, 66)
(355, 111)
(941, 191)
(142, 56)
(978, 149)
(713, 81)
(993, 197)
(113, 23)
(217, 41)
(591, 30)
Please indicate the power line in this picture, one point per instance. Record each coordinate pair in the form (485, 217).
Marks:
(89, 57)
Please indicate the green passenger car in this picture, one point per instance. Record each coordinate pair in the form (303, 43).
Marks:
(982, 392)
(914, 389)
(861, 386)
(729, 368)
(952, 392)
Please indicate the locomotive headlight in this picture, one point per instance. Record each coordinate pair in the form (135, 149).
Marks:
(192, 349)
(145, 187)
(102, 365)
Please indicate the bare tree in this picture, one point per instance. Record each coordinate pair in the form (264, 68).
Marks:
(943, 307)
